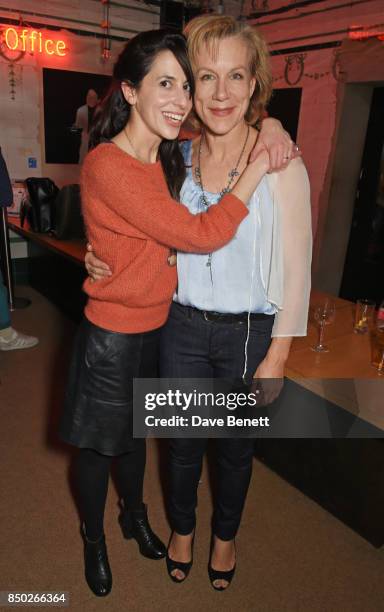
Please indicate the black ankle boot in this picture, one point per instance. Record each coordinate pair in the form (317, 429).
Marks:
(134, 524)
(97, 571)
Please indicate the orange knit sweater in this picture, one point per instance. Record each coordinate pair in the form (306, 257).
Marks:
(131, 222)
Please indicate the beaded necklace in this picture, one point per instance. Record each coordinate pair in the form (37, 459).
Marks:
(199, 179)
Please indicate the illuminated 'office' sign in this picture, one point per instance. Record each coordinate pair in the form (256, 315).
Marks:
(33, 41)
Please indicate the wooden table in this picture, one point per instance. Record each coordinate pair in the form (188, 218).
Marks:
(344, 375)
(55, 268)
(349, 354)
(344, 476)
(73, 250)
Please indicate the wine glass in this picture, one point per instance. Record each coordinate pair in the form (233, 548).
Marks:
(324, 315)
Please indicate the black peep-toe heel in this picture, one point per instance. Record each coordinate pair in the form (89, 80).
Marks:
(184, 567)
(220, 575)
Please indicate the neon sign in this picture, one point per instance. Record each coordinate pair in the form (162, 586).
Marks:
(33, 41)
(361, 33)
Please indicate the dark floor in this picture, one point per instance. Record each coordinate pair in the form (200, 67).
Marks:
(292, 555)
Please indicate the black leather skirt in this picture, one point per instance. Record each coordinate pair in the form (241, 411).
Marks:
(98, 403)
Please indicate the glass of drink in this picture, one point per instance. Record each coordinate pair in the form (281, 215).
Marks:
(377, 348)
(364, 312)
(324, 315)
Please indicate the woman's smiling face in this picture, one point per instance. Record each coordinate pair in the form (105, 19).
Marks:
(163, 99)
(224, 84)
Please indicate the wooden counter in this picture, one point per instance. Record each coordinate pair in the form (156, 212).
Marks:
(344, 473)
(344, 375)
(55, 268)
(74, 250)
(349, 354)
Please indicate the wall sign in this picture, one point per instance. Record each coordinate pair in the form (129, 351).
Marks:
(33, 41)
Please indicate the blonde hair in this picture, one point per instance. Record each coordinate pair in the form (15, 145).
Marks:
(209, 30)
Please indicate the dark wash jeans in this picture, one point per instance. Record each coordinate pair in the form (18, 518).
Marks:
(192, 347)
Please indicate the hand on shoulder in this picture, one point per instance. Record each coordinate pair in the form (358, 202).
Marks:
(295, 171)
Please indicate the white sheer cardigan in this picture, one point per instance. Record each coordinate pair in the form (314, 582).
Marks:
(286, 249)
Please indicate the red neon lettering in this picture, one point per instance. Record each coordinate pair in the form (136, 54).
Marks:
(60, 46)
(32, 40)
(22, 36)
(48, 42)
(7, 31)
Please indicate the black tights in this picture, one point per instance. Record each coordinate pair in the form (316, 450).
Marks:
(91, 480)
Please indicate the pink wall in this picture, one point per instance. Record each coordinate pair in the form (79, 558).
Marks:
(316, 23)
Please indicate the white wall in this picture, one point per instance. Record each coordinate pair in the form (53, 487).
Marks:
(131, 17)
(316, 23)
(21, 118)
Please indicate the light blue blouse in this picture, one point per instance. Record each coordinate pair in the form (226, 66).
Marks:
(235, 282)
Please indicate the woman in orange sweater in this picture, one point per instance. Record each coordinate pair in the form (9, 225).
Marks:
(130, 188)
